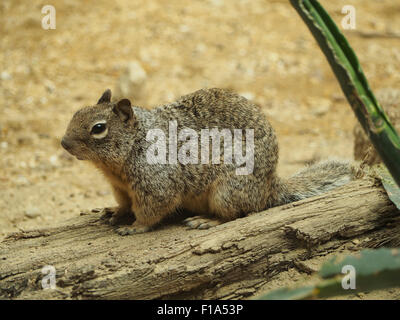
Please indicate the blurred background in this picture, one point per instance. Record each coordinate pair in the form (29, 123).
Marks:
(153, 52)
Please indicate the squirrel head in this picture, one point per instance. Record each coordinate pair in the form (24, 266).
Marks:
(100, 133)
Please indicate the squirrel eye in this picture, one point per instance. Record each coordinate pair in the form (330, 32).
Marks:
(99, 130)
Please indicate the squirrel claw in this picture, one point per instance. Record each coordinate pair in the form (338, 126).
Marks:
(133, 229)
(198, 222)
(115, 216)
(106, 213)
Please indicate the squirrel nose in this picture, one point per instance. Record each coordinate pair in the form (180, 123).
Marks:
(65, 144)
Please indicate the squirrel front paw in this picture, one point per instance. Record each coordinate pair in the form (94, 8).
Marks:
(198, 222)
(135, 228)
(117, 216)
(105, 213)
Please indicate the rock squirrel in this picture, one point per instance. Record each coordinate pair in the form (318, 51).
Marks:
(118, 138)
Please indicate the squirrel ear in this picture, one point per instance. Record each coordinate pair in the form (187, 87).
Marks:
(106, 97)
(123, 109)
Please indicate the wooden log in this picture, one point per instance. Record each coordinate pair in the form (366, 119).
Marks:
(230, 261)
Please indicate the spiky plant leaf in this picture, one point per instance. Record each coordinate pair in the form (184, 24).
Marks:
(353, 82)
(374, 269)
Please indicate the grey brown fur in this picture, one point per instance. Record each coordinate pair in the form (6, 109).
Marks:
(153, 192)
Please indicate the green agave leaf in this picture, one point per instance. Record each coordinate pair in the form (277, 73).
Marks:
(392, 190)
(374, 269)
(367, 262)
(353, 82)
(289, 294)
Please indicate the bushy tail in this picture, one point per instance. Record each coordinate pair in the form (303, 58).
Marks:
(317, 179)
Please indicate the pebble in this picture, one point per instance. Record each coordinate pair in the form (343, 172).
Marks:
(23, 164)
(29, 100)
(32, 164)
(5, 76)
(337, 97)
(322, 110)
(4, 145)
(201, 47)
(49, 85)
(217, 3)
(136, 72)
(54, 160)
(103, 193)
(248, 95)
(320, 107)
(184, 28)
(22, 181)
(132, 79)
(32, 212)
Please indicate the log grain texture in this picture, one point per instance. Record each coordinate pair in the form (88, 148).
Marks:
(230, 261)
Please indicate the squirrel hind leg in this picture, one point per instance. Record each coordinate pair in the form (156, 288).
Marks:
(237, 195)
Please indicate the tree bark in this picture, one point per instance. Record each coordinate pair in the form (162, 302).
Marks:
(230, 261)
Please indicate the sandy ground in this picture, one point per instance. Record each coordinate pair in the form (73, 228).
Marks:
(260, 49)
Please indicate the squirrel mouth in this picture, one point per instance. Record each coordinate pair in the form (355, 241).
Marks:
(77, 156)
(72, 152)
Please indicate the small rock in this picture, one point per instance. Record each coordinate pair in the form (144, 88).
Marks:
(49, 85)
(22, 181)
(184, 28)
(54, 160)
(247, 95)
(26, 70)
(200, 48)
(131, 81)
(4, 145)
(102, 193)
(43, 100)
(32, 164)
(32, 212)
(337, 97)
(29, 100)
(43, 135)
(25, 141)
(5, 76)
(217, 3)
(320, 107)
